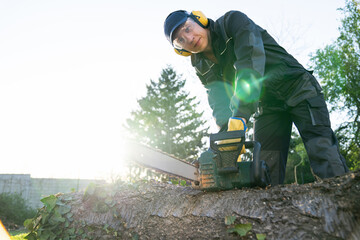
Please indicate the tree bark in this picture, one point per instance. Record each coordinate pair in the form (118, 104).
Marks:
(324, 210)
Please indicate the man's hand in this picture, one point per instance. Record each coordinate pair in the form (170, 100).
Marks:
(235, 124)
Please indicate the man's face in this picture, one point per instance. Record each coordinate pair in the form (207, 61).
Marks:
(191, 37)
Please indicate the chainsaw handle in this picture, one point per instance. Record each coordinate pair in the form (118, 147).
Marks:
(256, 159)
(225, 136)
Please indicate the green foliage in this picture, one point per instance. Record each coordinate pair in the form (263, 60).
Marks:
(229, 220)
(55, 220)
(351, 152)
(338, 67)
(178, 182)
(18, 232)
(298, 168)
(13, 209)
(20, 236)
(52, 221)
(260, 236)
(168, 118)
(242, 230)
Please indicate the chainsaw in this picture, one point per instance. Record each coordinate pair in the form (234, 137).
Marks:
(216, 169)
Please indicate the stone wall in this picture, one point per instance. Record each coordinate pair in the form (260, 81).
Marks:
(34, 189)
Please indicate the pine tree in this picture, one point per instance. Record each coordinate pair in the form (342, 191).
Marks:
(168, 118)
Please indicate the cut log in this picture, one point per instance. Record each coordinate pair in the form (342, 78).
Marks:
(324, 210)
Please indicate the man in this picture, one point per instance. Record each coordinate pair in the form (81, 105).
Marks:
(245, 71)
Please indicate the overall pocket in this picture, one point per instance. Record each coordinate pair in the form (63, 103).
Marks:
(318, 111)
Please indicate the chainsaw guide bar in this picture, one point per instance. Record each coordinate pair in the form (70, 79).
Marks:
(218, 168)
(161, 161)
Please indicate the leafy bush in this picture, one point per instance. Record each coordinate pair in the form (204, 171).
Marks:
(13, 210)
(19, 237)
(18, 234)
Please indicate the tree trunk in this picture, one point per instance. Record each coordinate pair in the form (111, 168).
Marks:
(324, 210)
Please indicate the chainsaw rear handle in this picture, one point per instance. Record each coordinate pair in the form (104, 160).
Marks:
(256, 159)
(226, 136)
(248, 144)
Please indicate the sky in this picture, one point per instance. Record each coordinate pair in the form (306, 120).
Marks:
(71, 71)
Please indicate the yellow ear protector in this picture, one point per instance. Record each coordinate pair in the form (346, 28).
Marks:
(200, 19)
(182, 52)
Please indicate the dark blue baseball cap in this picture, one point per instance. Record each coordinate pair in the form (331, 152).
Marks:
(174, 20)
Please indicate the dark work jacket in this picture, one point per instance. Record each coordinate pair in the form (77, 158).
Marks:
(251, 67)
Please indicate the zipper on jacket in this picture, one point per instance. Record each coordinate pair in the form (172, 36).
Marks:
(226, 44)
